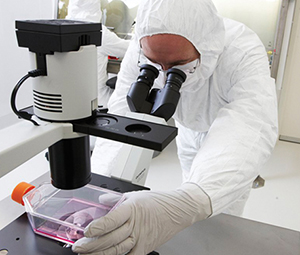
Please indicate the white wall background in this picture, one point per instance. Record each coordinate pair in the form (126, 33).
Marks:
(259, 15)
(14, 61)
(289, 105)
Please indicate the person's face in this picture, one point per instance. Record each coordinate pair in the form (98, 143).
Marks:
(168, 50)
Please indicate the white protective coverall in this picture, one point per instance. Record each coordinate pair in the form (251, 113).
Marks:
(111, 45)
(227, 113)
(227, 121)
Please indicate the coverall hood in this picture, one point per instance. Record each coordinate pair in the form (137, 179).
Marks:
(88, 10)
(197, 21)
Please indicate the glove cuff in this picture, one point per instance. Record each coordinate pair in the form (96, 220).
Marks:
(199, 198)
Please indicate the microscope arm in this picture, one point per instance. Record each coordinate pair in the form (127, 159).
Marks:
(134, 162)
(22, 141)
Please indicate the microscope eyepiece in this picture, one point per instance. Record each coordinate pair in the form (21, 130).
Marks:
(148, 74)
(137, 97)
(166, 99)
(157, 102)
(175, 77)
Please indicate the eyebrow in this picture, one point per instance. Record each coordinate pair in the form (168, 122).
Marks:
(175, 63)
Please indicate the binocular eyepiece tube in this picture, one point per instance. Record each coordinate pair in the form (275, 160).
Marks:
(161, 103)
(147, 75)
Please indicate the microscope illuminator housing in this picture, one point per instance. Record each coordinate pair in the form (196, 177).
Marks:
(66, 51)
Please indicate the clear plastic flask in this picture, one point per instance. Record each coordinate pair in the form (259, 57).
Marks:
(62, 215)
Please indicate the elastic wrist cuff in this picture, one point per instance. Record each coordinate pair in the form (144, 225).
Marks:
(196, 193)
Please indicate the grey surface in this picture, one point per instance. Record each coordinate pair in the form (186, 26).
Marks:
(223, 234)
(229, 235)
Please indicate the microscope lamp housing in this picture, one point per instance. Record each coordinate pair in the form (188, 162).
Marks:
(69, 91)
(66, 51)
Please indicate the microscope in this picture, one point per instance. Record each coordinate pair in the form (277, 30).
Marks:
(65, 108)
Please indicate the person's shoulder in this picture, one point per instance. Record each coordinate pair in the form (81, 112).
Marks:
(239, 37)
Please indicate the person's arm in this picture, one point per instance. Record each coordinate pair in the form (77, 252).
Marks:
(144, 221)
(241, 137)
(84, 10)
(112, 45)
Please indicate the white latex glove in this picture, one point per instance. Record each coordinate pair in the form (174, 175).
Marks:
(144, 221)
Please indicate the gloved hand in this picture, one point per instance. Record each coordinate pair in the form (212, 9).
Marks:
(144, 221)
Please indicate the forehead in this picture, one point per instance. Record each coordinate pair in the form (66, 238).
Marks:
(165, 43)
(168, 48)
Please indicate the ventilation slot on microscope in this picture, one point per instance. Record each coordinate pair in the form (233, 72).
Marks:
(47, 102)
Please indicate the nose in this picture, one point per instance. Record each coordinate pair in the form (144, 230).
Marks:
(165, 67)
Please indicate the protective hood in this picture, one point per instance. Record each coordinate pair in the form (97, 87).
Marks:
(87, 10)
(196, 20)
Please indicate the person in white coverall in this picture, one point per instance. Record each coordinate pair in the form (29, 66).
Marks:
(226, 117)
(111, 44)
